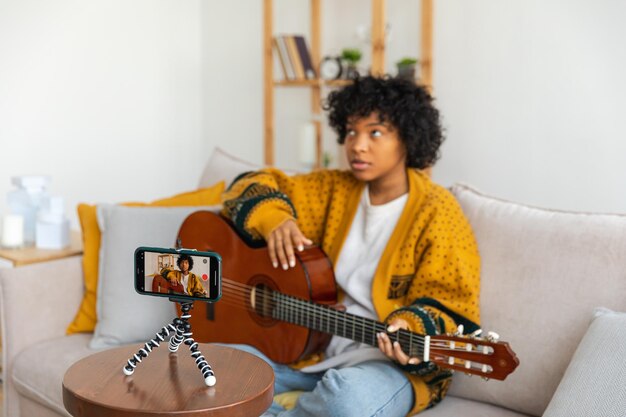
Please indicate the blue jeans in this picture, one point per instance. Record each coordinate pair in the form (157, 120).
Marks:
(375, 388)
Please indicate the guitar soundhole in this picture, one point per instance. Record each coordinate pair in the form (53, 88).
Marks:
(261, 302)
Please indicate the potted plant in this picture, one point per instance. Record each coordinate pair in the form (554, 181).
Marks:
(351, 56)
(327, 159)
(406, 68)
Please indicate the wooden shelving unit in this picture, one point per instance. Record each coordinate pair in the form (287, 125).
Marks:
(311, 83)
(377, 64)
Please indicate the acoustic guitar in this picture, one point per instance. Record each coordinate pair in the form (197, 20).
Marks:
(164, 286)
(288, 314)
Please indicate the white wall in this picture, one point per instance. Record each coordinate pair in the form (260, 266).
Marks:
(123, 100)
(531, 92)
(232, 77)
(102, 96)
(533, 95)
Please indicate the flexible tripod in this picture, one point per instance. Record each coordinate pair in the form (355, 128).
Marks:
(183, 334)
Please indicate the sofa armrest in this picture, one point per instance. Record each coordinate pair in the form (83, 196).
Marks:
(37, 302)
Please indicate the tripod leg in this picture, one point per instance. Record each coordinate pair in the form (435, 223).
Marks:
(183, 332)
(201, 363)
(179, 323)
(177, 339)
(129, 368)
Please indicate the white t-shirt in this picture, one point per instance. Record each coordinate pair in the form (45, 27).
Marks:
(354, 271)
(184, 280)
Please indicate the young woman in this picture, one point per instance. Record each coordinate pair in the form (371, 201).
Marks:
(183, 278)
(401, 248)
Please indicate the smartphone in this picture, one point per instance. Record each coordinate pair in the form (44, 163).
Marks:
(182, 274)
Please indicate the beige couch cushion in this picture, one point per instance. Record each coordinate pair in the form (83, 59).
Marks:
(223, 166)
(38, 371)
(543, 273)
(460, 407)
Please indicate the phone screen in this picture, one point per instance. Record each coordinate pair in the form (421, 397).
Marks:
(181, 274)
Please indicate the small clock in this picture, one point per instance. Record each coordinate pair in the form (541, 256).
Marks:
(330, 68)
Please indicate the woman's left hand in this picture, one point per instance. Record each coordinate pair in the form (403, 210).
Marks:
(393, 350)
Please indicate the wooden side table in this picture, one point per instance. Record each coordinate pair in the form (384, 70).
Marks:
(167, 384)
(19, 257)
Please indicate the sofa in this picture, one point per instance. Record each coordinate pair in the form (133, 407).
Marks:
(553, 286)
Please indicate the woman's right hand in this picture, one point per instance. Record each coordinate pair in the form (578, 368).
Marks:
(282, 241)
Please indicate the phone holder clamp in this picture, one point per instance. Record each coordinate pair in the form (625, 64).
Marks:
(181, 328)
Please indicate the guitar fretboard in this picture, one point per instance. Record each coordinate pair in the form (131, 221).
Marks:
(328, 320)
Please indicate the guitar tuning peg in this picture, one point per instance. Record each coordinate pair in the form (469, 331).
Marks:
(493, 336)
(476, 333)
(459, 330)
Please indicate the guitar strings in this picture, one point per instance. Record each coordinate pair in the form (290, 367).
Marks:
(310, 311)
(433, 344)
(241, 297)
(241, 300)
(438, 348)
(243, 294)
(301, 309)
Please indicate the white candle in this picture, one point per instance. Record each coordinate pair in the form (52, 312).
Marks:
(308, 144)
(12, 231)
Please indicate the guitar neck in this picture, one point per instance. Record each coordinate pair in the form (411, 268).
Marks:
(339, 323)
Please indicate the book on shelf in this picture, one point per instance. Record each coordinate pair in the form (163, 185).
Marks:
(283, 58)
(292, 49)
(305, 57)
(294, 57)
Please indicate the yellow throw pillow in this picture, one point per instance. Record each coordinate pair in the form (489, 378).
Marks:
(86, 318)
(288, 399)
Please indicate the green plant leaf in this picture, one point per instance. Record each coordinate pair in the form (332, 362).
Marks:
(407, 61)
(352, 55)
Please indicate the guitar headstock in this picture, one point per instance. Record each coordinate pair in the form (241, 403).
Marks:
(474, 355)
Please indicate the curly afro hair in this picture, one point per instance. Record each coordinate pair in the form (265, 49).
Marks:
(405, 105)
(185, 257)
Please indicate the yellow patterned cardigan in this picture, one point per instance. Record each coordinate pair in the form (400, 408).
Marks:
(428, 274)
